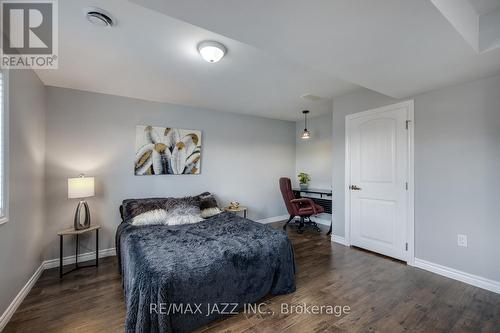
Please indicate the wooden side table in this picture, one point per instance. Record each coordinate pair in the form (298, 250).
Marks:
(237, 210)
(72, 231)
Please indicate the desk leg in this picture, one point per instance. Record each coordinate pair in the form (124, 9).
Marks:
(77, 246)
(60, 256)
(245, 213)
(96, 247)
(330, 231)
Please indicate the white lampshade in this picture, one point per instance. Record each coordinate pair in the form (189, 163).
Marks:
(81, 187)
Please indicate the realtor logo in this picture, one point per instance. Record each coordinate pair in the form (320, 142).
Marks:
(29, 34)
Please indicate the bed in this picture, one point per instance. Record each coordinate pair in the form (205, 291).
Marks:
(178, 278)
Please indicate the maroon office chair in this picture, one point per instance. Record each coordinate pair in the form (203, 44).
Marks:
(301, 207)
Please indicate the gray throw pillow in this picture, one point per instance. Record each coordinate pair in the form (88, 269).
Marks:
(208, 205)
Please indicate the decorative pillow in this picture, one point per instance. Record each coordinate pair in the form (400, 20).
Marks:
(133, 207)
(183, 214)
(157, 216)
(208, 205)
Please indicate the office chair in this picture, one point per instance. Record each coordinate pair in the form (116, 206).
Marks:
(303, 208)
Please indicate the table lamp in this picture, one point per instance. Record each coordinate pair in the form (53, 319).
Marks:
(79, 188)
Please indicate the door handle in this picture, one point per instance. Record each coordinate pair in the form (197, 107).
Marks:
(354, 188)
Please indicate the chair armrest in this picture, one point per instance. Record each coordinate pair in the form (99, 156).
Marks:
(308, 201)
(301, 200)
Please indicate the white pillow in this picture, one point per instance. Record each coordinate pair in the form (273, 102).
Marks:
(157, 216)
(209, 212)
(183, 215)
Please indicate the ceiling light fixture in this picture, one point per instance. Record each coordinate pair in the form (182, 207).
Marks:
(211, 51)
(305, 134)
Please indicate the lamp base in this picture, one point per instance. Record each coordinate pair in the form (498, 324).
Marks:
(78, 217)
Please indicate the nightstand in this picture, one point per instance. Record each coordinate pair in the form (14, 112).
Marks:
(237, 210)
(72, 231)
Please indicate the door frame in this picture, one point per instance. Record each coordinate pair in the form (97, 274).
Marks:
(410, 170)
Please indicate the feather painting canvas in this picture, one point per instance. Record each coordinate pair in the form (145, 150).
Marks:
(167, 151)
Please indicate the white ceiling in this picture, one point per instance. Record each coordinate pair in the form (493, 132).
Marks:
(399, 48)
(278, 50)
(151, 56)
(478, 24)
(485, 6)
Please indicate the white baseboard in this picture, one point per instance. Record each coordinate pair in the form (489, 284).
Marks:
(81, 258)
(4, 319)
(274, 219)
(455, 274)
(339, 239)
(47, 264)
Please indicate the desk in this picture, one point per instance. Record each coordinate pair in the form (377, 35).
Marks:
(322, 200)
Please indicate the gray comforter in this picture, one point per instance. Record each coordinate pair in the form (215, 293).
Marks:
(172, 273)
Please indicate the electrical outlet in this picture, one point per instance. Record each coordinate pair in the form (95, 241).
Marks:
(462, 240)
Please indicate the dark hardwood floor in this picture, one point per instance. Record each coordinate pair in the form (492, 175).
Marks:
(383, 295)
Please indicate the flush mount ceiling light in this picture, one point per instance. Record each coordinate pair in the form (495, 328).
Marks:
(211, 51)
(305, 134)
(99, 17)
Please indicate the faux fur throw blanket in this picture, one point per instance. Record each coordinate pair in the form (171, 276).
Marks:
(224, 259)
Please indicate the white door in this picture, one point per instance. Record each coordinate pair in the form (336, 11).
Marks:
(378, 144)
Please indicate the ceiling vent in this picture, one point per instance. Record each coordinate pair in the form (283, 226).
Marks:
(99, 17)
(310, 97)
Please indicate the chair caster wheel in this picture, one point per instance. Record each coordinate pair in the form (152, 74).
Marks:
(300, 231)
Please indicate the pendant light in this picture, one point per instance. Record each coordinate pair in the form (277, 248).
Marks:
(305, 134)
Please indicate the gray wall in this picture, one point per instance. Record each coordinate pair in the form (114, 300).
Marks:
(20, 238)
(242, 158)
(457, 178)
(314, 156)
